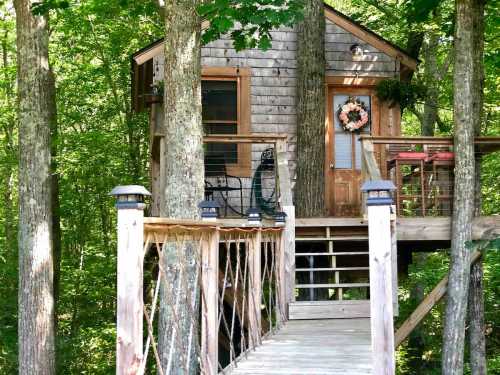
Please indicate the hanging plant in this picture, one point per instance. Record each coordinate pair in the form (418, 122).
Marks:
(353, 115)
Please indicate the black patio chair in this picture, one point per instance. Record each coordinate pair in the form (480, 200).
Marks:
(223, 183)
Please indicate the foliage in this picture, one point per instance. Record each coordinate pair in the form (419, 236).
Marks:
(396, 92)
(249, 22)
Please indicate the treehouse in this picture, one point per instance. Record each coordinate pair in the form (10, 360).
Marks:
(316, 268)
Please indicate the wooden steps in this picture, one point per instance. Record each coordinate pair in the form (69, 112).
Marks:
(312, 347)
(329, 309)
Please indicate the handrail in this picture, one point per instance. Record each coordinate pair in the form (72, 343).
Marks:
(425, 307)
(245, 138)
(485, 144)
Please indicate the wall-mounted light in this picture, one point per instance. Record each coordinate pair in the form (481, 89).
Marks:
(356, 52)
(254, 216)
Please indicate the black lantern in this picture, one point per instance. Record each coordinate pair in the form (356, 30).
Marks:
(254, 216)
(209, 210)
(379, 192)
(279, 219)
(129, 195)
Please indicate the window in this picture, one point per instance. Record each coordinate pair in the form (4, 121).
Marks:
(226, 110)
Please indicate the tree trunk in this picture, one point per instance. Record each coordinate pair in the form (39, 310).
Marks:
(463, 203)
(310, 186)
(477, 340)
(183, 185)
(36, 298)
(430, 114)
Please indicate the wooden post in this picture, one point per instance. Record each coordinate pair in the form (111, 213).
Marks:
(381, 291)
(282, 274)
(286, 202)
(255, 290)
(210, 303)
(130, 305)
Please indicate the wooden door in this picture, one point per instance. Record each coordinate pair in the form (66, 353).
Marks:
(343, 152)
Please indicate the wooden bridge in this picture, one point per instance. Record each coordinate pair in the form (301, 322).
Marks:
(257, 290)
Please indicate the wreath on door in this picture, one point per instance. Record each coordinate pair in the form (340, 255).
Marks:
(353, 115)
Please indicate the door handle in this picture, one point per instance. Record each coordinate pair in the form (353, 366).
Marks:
(332, 166)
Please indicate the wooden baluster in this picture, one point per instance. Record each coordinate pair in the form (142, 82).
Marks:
(255, 290)
(210, 302)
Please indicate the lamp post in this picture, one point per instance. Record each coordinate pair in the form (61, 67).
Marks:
(130, 242)
(379, 201)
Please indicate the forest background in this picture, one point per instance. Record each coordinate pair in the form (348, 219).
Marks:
(101, 143)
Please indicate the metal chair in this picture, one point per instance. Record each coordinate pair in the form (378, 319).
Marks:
(223, 183)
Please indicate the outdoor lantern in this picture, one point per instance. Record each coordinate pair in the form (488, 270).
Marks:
(279, 219)
(254, 216)
(356, 52)
(379, 193)
(209, 210)
(129, 194)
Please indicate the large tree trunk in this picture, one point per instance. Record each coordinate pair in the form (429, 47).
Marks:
(183, 185)
(477, 341)
(310, 186)
(463, 203)
(36, 299)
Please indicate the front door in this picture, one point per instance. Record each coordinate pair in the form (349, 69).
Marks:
(343, 150)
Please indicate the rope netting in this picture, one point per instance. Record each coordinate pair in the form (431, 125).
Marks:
(179, 311)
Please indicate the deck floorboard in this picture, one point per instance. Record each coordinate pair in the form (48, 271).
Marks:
(312, 347)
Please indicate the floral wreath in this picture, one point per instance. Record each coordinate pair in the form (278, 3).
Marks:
(353, 115)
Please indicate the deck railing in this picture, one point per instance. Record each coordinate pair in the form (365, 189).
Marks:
(241, 172)
(422, 168)
(195, 295)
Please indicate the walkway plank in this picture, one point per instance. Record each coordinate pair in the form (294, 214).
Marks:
(312, 347)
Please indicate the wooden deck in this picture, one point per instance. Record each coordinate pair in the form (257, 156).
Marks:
(312, 347)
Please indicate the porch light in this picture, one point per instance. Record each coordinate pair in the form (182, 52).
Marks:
(356, 52)
(280, 219)
(209, 210)
(379, 193)
(254, 217)
(129, 196)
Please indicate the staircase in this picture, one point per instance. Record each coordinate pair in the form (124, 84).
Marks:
(331, 274)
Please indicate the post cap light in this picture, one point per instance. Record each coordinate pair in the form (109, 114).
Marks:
(279, 218)
(129, 196)
(254, 216)
(356, 52)
(379, 192)
(209, 210)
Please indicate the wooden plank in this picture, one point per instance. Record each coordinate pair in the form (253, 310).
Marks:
(255, 289)
(330, 222)
(372, 168)
(329, 310)
(332, 238)
(381, 292)
(286, 204)
(210, 303)
(332, 269)
(245, 138)
(425, 307)
(439, 228)
(333, 253)
(337, 285)
(130, 304)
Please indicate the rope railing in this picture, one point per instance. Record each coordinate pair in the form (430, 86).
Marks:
(213, 293)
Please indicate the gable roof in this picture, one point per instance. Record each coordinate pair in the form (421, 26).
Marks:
(340, 19)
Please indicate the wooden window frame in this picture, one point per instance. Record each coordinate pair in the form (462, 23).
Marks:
(242, 78)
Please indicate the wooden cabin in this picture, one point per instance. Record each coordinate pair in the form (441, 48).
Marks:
(249, 117)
